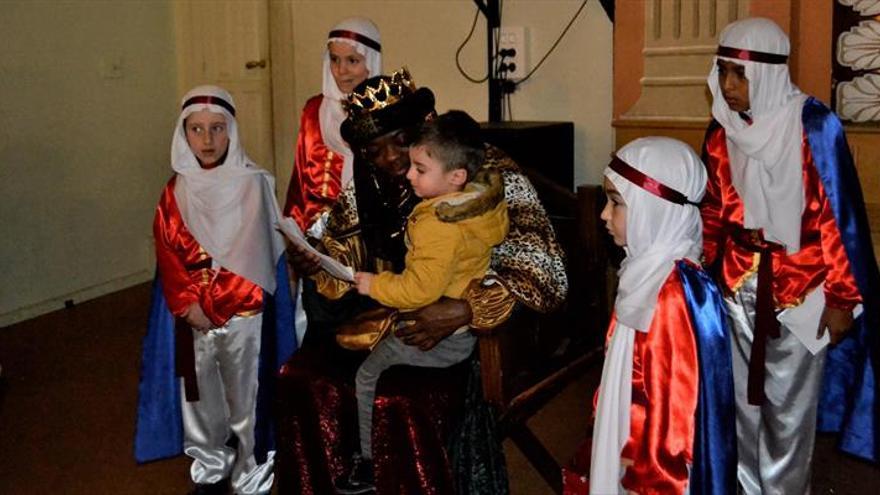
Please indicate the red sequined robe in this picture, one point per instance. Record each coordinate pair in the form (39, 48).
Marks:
(317, 170)
(186, 272)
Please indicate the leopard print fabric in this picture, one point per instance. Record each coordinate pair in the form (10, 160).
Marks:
(530, 261)
(343, 218)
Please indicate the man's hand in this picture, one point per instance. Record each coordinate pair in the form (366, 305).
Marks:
(837, 321)
(304, 263)
(426, 327)
(362, 282)
(197, 319)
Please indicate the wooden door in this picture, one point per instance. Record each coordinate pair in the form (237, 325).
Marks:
(226, 42)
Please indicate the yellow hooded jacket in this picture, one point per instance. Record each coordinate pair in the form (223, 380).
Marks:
(442, 257)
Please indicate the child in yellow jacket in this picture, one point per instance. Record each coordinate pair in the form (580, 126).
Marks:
(442, 258)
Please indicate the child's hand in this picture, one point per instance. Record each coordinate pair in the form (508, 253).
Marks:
(195, 316)
(362, 282)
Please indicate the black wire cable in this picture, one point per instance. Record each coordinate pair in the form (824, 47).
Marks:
(495, 57)
(461, 47)
(573, 18)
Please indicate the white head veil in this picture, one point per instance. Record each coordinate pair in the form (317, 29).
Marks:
(766, 159)
(363, 35)
(230, 209)
(658, 232)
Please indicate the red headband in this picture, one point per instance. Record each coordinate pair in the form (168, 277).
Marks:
(209, 100)
(751, 55)
(654, 187)
(351, 35)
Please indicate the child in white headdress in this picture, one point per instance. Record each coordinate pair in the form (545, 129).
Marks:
(785, 227)
(218, 253)
(655, 392)
(323, 161)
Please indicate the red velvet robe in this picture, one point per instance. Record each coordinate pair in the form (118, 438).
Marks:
(317, 170)
(186, 273)
(413, 415)
(821, 257)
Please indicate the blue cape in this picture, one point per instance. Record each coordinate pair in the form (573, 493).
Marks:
(714, 466)
(159, 430)
(848, 401)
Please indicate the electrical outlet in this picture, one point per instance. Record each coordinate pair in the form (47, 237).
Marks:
(514, 38)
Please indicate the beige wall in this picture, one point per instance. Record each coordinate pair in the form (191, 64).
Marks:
(83, 156)
(574, 84)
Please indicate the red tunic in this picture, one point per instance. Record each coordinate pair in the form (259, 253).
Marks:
(186, 273)
(821, 257)
(317, 170)
(665, 381)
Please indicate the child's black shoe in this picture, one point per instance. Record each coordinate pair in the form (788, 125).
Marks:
(359, 480)
(219, 488)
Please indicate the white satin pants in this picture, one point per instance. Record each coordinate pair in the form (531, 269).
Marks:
(774, 440)
(226, 361)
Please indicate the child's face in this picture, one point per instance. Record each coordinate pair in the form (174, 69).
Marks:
(348, 67)
(734, 85)
(428, 177)
(614, 214)
(207, 137)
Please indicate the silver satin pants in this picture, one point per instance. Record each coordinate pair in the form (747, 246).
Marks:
(392, 351)
(774, 440)
(226, 361)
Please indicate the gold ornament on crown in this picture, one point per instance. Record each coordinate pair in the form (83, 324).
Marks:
(386, 94)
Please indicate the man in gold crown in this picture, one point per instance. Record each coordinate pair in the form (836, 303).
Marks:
(415, 408)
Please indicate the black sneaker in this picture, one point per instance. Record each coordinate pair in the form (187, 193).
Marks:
(359, 480)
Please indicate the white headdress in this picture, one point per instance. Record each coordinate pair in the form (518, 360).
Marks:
(230, 209)
(659, 231)
(363, 35)
(766, 158)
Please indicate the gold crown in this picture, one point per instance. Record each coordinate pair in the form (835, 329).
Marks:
(389, 91)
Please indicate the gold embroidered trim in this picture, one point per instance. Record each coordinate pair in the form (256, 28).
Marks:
(490, 304)
(797, 302)
(348, 251)
(367, 329)
(756, 259)
(325, 179)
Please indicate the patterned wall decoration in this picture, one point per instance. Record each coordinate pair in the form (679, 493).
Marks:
(856, 64)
